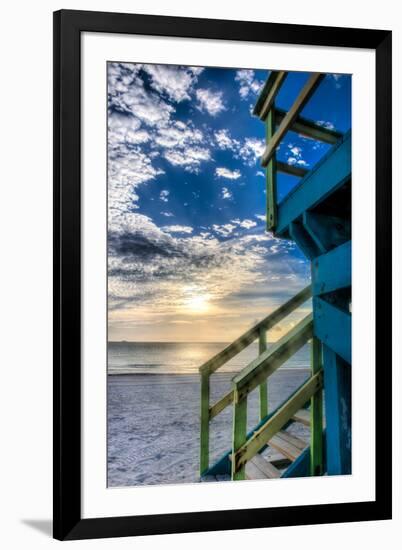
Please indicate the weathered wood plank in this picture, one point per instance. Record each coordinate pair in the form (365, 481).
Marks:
(253, 472)
(273, 92)
(239, 435)
(267, 363)
(287, 449)
(308, 128)
(260, 437)
(273, 75)
(269, 471)
(301, 100)
(316, 453)
(302, 416)
(204, 433)
(262, 347)
(289, 438)
(220, 405)
(290, 169)
(248, 337)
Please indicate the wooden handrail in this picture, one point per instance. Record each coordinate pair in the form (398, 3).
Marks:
(265, 364)
(275, 423)
(252, 334)
(301, 100)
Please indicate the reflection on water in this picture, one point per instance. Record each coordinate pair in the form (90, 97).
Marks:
(182, 357)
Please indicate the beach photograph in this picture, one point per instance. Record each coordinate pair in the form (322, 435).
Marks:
(229, 274)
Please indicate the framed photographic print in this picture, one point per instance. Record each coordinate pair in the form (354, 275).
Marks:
(209, 373)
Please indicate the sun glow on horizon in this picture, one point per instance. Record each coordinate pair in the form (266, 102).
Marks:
(197, 302)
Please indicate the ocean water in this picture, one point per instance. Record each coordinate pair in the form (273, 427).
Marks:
(182, 357)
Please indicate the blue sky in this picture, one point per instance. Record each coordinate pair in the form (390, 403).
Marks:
(189, 258)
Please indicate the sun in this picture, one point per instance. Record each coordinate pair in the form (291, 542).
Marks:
(197, 303)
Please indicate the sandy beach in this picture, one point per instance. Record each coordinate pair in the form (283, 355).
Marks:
(153, 424)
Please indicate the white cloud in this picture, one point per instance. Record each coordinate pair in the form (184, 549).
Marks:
(178, 229)
(246, 224)
(261, 217)
(189, 157)
(209, 101)
(226, 173)
(176, 82)
(164, 195)
(224, 140)
(167, 214)
(326, 124)
(249, 85)
(226, 194)
(252, 150)
(224, 230)
(294, 155)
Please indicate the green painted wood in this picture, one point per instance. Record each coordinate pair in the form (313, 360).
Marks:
(252, 334)
(275, 423)
(262, 347)
(308, 128)
(291, 169)
(220, 405)
(204, 434)
(273, 92)
(239, 435)
(273, 75)
(300, 102)
(272, 209)
(316, 423)
(267, 363)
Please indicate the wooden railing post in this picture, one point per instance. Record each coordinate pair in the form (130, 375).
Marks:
(271, 173)
(239, 434)
(204, 436)
(262, 346)
(316, 460)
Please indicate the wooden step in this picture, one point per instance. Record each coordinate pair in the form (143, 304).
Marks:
(285, 444)
(277, 460)
(259, 468)
(302, 416)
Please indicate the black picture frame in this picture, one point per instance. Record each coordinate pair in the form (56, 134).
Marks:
(68, 26)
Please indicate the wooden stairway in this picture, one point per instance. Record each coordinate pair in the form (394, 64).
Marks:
(288, 448)
(316, 215)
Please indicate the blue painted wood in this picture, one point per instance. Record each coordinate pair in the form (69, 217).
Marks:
(337, 383)
(303, 240)
(333, 327)
(326, 231)
(333, 170)
(301, 466)
(332, 271)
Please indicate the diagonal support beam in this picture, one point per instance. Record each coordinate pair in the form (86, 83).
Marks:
(301, 100)
(269, 100)
(308, 128)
